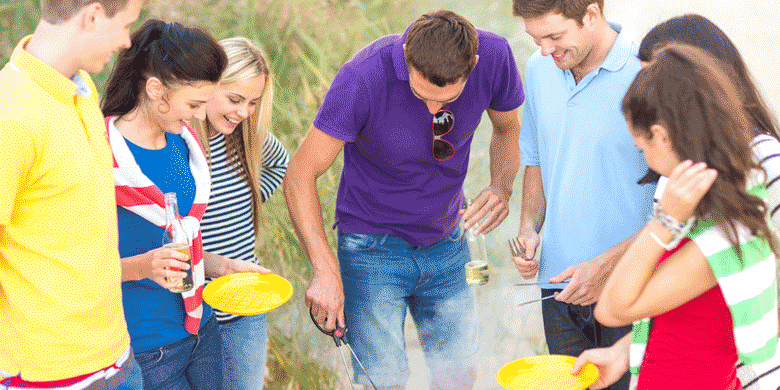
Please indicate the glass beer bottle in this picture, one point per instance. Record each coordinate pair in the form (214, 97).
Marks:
(477, 272)
(176, 238)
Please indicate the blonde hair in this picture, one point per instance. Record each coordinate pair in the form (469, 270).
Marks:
(244, 146)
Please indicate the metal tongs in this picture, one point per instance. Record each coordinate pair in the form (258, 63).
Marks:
(340, 338)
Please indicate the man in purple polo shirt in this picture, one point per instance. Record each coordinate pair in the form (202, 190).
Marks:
(404, 109)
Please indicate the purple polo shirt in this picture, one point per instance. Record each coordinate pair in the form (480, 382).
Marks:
(391, 183)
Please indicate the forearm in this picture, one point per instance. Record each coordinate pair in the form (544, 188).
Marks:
(303, 204)
(215, 265)
(133, 267)
(504, 159)
(624, 345)
(532, 211)
(629, 279)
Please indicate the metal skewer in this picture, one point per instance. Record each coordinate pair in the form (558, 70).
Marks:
(538, 299)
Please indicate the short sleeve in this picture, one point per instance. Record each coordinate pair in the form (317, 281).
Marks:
(17, 154)
(275, 161)
(345, 110)
(508, 91)
(766, 150)
(529, 144)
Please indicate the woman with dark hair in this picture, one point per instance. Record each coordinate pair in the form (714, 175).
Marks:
(699, 281)
(698, 31)
(158, 85)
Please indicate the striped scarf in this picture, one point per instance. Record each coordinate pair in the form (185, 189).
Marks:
(136, 193)
(748, 285)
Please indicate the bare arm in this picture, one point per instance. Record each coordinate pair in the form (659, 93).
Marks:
(217, 265)
(492, 203)
(531, 219)
(325, 295)
(534, 204)
(589, 277)
(637, 287)
(612, 362)
(155, 265)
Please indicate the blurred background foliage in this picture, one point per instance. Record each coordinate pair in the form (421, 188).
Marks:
(307, 41)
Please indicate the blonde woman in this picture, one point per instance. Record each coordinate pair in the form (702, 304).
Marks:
(243, 176)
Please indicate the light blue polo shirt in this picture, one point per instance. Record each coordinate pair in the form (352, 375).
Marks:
(590, 166)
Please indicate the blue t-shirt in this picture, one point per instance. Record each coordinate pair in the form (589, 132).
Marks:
(590, 166)
(391, 182)
(155, 316)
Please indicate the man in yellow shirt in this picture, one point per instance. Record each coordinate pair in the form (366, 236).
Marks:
(61, 318)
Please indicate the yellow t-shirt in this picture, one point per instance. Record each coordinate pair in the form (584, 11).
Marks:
(60, 278)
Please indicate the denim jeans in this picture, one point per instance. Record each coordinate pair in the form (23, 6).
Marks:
(135, 379)
(194, 363)
(384, 275)
(571, 329)
(244, 344)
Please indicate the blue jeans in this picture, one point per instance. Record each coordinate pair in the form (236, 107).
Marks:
(244, 344)
(135, 379)
(384, 275)
(194, 363)
(571, 329)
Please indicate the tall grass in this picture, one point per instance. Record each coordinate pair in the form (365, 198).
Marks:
(306, 41)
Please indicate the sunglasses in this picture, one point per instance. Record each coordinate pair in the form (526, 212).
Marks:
(443, 122)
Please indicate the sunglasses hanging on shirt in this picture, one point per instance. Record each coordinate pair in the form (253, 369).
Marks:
(443, 122)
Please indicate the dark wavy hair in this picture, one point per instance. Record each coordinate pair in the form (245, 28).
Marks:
(173, 53)
(687, 91)
(698, 31)
(442, 46)
(570, 9)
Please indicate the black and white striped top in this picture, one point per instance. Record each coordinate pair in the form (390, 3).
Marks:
(766, 151)
(227, 224)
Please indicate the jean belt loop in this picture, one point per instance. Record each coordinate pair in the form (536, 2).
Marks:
(590, 313)
(382, 238)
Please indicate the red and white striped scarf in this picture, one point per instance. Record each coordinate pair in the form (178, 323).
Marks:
(136, 193)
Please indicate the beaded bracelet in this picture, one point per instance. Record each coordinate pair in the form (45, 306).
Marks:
(677, 228)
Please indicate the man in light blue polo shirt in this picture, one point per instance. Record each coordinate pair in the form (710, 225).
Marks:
(582, 166)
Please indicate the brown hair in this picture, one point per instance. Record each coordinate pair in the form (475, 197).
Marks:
(244, 146)
(698, 31)
(570, 9)
(58, 11)
(172, 52)
(686, 90)
(442, 46)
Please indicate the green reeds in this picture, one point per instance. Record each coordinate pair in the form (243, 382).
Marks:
(307, 41)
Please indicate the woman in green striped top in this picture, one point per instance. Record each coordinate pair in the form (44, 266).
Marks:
(701, 293)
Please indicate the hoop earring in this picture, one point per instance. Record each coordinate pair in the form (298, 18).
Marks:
(163, 103)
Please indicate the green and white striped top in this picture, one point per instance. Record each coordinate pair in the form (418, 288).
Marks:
(748, 285)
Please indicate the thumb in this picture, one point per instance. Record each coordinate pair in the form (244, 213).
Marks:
(341, 321)
(581, 361)
(529, 252)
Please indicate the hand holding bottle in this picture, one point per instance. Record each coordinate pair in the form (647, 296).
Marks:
(164, 266)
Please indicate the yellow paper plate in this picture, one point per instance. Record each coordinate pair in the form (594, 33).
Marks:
(549, 372)
(247, 293)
